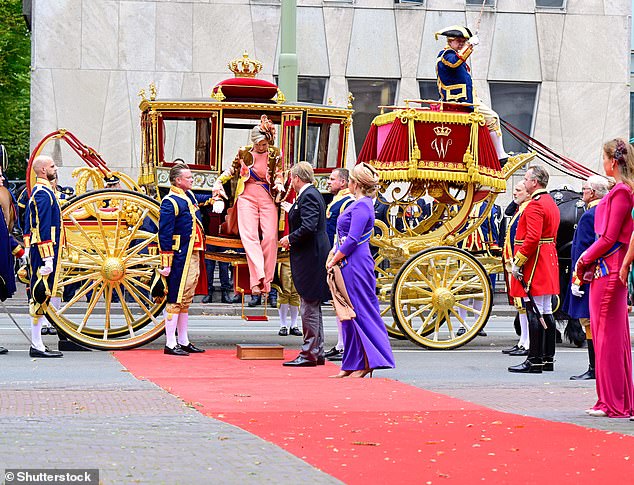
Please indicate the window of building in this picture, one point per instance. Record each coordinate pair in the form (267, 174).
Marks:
(550, 3)
(515, 103)
(428, 89)
(369, 94)
(478, 3)
(411, 2)
(310, 89)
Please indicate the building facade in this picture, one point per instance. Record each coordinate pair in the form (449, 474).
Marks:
(558, 69)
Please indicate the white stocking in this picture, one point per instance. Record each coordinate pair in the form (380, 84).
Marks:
(36, 333)
(183, 322)
(294, 312)
(283, 311)
(170, 330)
(524, 335)
(499, 145)
(339, 345)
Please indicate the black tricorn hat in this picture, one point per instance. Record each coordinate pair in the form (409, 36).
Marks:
(111, 180)
(40, 291)
(456, 31)
(158, 286)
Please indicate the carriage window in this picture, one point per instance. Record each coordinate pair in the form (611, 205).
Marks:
(189, 139)
(428, 89)
(323, 141)
(368, 94)
(516, 103)
(550, 3)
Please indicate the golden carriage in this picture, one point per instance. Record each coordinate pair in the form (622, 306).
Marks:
(439, 177)
(110, 251)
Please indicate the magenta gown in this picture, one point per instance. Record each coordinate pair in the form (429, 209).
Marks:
(365, 338)
(608, 304)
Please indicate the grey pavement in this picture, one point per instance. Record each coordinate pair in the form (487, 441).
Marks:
(85, 410)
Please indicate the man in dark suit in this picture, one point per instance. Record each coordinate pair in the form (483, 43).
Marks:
(309, 246)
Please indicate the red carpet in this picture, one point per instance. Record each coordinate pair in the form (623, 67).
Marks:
(377, 430)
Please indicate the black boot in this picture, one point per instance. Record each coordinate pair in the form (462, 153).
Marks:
(208, 298)
(550, 338)
(589, 374)
(255, 300)
(226, 297)
(534, 363)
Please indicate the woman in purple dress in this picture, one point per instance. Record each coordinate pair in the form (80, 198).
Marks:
(600, 265)
(365, 337)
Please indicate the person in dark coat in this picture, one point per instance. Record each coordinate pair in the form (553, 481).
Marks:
(577, 302)
(9, 249)
(309, 247)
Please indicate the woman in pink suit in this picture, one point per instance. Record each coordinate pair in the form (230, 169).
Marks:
(600, 264)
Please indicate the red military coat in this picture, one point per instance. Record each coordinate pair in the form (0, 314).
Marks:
(535, 247)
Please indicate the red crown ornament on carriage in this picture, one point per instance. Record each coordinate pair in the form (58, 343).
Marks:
(245, 86)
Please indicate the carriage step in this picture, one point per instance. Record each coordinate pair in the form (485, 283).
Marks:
(260, 352)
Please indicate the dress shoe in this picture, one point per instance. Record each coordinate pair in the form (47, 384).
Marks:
(527, 367)
(549, 364)
(52, 330)
(512, 349)
(3, 350)
(208, 298)
(191, 348)
(255, 300)
(33, 352)
(44, 331)
(503, 161)
(283, 332)
(175, 351)
(237, 298)
(332, 352)
(336, 358)
(587, 375)
(461, 331)
(597, 413)
(520, 351)
(300, 362)
(226, 297)
(272, 300)
(296, 331)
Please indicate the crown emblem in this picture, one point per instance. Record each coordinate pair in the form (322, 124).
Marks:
(442, 130)
(245, 67)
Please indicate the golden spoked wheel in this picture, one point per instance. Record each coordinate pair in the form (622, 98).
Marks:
(438, 292)
(105, 268)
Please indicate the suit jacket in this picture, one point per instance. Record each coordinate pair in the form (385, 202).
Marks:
(309, 244)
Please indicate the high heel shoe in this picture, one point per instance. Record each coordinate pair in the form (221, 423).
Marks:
(343, 373)
(362, 373)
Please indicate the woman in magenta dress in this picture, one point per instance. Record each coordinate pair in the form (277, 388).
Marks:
(601, 264)
(365, 337)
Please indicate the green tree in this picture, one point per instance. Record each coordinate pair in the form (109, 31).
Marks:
(15, 82)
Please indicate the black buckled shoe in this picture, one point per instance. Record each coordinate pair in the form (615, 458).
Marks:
(296, 331)
(283, 332)
(521, 351)
(512, 349)
(191, 348)
(549, 364)
(175, 351)
(586, 376)
(44, 331)
(331, 352)
(3, 350)
(52, 330)
(208, 298)
(528, 367)
(45, 354)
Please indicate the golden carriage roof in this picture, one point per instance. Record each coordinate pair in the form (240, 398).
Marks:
(408, 144)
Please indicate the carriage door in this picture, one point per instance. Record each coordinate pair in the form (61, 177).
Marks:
(293, 143)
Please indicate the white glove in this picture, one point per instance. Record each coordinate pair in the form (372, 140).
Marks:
(48, 267)
(475, 40)
(26, 253)
(576, 291)
(218, 206)
(24, 259)
(516, 270)
(165, 271)
(279, 187)
(217, 189)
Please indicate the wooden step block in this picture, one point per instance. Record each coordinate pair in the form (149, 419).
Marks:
(260, 352)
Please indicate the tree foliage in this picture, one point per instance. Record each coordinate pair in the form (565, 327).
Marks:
(15, 81)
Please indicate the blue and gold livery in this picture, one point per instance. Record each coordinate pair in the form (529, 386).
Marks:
(180, 233)
(452, 72)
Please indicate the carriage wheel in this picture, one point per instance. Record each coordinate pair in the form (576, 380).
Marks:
(438, 292)
(105, 269)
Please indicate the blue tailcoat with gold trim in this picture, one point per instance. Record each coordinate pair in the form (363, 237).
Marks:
(180, 223)
(43, 223)
(453, 76)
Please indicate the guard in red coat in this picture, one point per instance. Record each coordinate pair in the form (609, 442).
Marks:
(536, 259)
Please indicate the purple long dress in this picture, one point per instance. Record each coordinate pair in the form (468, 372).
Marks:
(364, 338)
